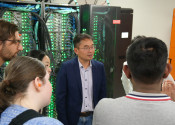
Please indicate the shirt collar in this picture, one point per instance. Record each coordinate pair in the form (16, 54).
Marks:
(148, 96)
(81, 66)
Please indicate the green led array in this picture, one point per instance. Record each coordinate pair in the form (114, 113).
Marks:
(97, 29)
(22, 19)
(61, 45)
(84, 30)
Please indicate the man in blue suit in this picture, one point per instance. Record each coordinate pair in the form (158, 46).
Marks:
(80, 84)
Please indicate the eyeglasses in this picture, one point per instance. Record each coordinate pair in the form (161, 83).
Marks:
(15, 41)
(169, 60)
(87, 48)
(18, 42)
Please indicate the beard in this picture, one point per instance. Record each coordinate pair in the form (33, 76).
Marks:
(6, 58)
(6, 55)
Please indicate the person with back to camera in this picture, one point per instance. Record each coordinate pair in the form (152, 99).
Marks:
(146, 105)
(168, 85)
(25, 86)
(80, 84)
(127, 85)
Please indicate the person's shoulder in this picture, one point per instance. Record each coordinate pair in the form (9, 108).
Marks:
(109, 101)
(97, 63)
(104, 104)
(44, 121)
(106, 101)
(112, 99)
(70, 62)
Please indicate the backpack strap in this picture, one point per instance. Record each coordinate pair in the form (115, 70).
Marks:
(24, 116)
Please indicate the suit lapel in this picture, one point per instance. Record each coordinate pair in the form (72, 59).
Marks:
(77, 74)
(94, 76)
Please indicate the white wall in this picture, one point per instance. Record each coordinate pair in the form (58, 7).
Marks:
(150, 17)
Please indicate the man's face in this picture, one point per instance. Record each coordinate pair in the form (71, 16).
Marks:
(10, 48)
(85, 50)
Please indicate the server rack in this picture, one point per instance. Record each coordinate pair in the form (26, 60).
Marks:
(124, 39)
(22, 14)
(62, 23)
(54, 26)
(105, 24)
(50, 28)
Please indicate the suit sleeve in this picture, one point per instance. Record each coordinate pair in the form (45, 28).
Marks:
(61, 92)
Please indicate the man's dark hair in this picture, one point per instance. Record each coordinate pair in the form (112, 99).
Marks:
(137, 38)
(147, 58)
(7, 30)
(79, 37)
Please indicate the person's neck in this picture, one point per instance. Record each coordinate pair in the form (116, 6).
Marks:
(152, 88)
(26, 105)
(85, 63)
(27, 102)
(147, 88)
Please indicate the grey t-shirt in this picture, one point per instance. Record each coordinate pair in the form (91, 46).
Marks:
(139, 109)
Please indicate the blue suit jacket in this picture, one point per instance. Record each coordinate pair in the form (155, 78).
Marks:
(69, 89)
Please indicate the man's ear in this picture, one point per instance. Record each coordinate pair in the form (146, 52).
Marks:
(168, 69)
(76, 50)
(127, 71)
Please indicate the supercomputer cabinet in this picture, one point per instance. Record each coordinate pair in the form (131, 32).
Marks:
(22, 14)
(123, 41)
(63, 24)
(107, 24)
(25, 16)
